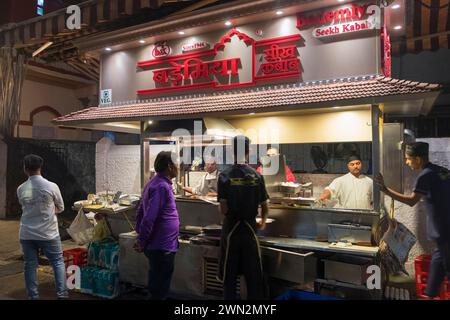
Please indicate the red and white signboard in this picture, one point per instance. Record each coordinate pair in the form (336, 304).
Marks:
(344, 28)
(194, 46)
(271, 59)
(352, 13)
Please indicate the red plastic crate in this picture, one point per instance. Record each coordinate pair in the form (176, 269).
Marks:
(422, 268)
(77, 256)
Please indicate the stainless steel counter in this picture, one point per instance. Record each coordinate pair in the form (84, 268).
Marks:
(289, 222)
(309, 245)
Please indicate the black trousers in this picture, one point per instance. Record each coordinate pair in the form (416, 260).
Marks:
(439, 268)
(240, 255)
(160, 273)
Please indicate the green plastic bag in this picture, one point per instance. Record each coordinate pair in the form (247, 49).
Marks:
(101, 230)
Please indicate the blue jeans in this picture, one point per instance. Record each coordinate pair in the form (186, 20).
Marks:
(53, 251)
(439, 268)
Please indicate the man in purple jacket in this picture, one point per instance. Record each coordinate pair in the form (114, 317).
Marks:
(157, 224)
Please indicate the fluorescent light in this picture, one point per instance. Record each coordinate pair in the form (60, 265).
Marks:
(279, 12)
(398, 27)
(341, 0)
(141, 41)
(395, 6)
(180, 32)
(228, 23)
(42, 48)
(108, 49)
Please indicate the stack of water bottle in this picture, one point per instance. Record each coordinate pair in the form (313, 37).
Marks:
(101, 277)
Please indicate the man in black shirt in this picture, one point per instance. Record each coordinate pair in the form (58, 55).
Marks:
(433, 184)
(241, 190)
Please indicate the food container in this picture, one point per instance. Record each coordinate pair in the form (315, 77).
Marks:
(349, 233)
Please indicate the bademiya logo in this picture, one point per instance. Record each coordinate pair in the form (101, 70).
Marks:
(161, 49)
(73, 22)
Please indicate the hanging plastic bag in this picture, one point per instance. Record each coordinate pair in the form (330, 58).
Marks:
(101, 229)
(396, 244)
(81, 229)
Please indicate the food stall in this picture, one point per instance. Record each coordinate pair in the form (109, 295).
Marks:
(295, 78)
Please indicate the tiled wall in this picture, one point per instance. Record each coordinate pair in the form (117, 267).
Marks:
(298, 157)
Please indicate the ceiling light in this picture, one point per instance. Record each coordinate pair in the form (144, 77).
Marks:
(279, 12)
(341, 0)
(336, 107)
(180, 32)
(228, 23)
(150, 122)
(395, 6)
(141, 41)
(397, 27)
(108, 49)
(251, 113)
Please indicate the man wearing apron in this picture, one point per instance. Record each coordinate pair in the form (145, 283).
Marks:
(241, 190)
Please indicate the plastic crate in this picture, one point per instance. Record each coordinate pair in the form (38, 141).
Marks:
(109, 256)
(422, 268)
(95, 258)
(106, 283)
(77, 256)
(87, 279)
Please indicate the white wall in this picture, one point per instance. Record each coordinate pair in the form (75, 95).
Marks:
(117, 167)
(415, 218)
(308, 128)
(64, 100)
(3, 158)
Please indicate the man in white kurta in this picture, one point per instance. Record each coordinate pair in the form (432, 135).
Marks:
(353, 190)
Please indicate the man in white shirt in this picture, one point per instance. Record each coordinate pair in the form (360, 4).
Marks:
(353, 190)
(41, 200)
(208, 184)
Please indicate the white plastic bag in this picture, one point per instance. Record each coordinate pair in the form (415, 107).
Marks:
(81, 230)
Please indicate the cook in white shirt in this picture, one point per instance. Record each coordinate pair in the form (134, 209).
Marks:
(208, 184)
(353, 190)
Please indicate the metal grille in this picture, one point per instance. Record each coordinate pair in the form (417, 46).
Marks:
(211, 285)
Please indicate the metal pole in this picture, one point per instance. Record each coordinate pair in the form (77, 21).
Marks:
(377, 125)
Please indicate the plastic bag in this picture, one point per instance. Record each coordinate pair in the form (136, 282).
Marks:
(81, 229)
(101, 230)
(396, 244)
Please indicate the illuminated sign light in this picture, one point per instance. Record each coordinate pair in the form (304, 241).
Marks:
(344, 28)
